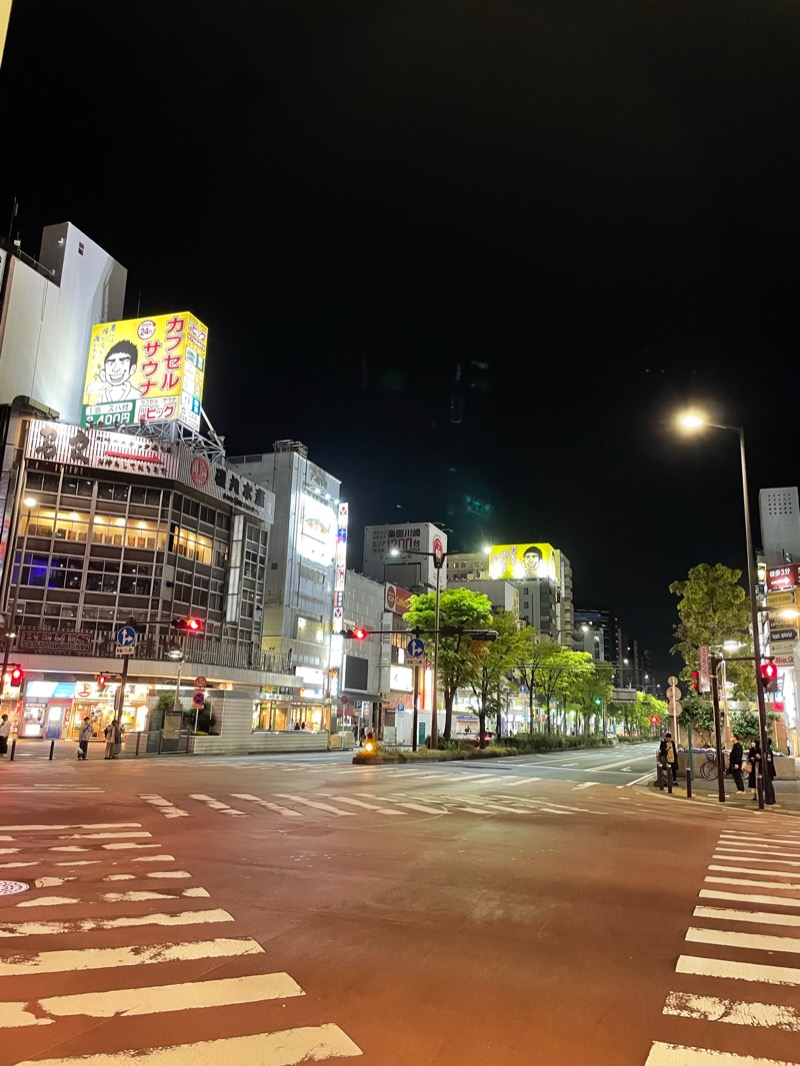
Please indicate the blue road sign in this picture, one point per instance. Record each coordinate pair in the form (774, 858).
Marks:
(415, 648)
(126, 636)
(400, 708)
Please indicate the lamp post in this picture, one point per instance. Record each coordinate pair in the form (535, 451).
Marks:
(176, 655)
(691, 421)
(439, 555)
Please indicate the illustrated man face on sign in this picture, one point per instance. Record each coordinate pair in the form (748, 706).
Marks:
(533, 562)
(119, 364)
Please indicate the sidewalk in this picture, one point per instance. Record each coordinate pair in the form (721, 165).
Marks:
(787, 794)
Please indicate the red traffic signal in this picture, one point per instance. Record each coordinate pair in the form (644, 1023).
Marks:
(102, 681)
(17, 675)
(188, 625)
(359, 633)
(654, 719)
(696, 680)
(769, 676)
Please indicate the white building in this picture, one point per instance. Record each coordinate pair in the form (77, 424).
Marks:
(403, 554)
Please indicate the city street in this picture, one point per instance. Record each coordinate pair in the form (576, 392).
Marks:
(265, 911)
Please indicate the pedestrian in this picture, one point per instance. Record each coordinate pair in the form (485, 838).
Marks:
(85, 735)
(669, 755)
(118, 742)
(112, 735)
(735, 763)
(754, 763)
(5, 733)
(770, 759)
(302, 725)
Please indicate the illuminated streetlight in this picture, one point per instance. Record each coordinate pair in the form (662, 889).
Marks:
(732, 645)
(486, 549)
(694, 420)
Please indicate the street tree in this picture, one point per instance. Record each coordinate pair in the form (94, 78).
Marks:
(492, 668)
(591, 689)
(544, 668)
(459, 609)
(714, 608)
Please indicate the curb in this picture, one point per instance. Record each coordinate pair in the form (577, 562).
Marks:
(714, 803)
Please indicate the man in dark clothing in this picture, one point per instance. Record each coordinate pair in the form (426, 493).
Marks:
(668, 754)
(735, 763)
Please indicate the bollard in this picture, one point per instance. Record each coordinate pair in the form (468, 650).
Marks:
(52, 749)
(13, 749)
(138, 738)
(669, 780)
(688, 781)
(660, 776)
(760, 790)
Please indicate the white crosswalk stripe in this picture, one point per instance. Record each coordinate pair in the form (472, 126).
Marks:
(217, 805)
(100, 933)
(741, 933)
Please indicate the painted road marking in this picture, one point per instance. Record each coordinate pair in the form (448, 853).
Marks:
(117, 897)
(759, 870)
(106, 836)
(285, 811)
(86, 925)
(216, 805)
(662, 1055)
(360, 803)
(315, 804)
(734, 1012)
(758, 917)
(163, 806)
(739, 857)
(409, 806)
(509, 782)
(585, 784)
(749, 838)
(262, 1049)
(110, 958)
(746, 897)
(754, 884)
(78, 825)
(160, 874)
(753, 941)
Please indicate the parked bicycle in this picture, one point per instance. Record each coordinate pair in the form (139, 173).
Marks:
(708, 769)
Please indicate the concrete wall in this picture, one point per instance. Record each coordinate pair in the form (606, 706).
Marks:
(234, 721)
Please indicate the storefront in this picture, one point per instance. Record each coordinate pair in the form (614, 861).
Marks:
(46, 709)
(276, 715)
(100, 706)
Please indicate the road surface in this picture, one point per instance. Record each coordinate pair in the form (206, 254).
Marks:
(267, 911)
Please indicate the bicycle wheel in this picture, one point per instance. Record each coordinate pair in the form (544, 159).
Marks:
(708, 769)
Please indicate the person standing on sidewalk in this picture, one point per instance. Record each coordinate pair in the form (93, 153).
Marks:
(5, 733)
(113, 737)
(85, 735)
(754, 761)
(735, 763)
(668, 754)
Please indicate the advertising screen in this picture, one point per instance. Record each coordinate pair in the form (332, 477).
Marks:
(520, 562)
(145, 370)
(318, 531)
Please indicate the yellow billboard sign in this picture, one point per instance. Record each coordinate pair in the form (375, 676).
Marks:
(520, 562)
(145, 370)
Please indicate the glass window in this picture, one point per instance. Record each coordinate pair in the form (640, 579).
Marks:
(34, 570)
(77, 486)
(110, 490)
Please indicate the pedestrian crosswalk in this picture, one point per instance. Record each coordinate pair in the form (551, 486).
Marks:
(110, 906)
(737, 984)
(336, 805)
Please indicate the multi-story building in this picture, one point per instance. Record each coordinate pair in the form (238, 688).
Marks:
(467, 566)
(300, 617)
(504, 596)
(403, 554)
(780, 525)
(595, 632)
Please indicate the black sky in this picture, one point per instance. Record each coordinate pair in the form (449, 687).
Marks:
(473, 252)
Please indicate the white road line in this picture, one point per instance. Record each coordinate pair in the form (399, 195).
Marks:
(316, 804)
(217, 805)
(580, 810)
(158, 874)
(53, 882)
(117, 897)
(586, 784)
(360, 803)
(262, 1049)
(747, 870)
(739, 970)
(746, 897)
(753, 941)
(124, 847)
(638, 780)
(471, 810)
(734, 1012)
(85, 925)
(550, 810)
(753, 850)
(106, 836)
(136, 955)
(751, 839)
(662, 1055)
(511, 783)
(754, 884)
(409, 806)
(163, 806)
(17, 865)
(266, 803)
(10, 851)
(754, 861)
(78, 825)
(757, 917)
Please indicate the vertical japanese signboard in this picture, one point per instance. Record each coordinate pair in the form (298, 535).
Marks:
(337, 642)
(145, 370)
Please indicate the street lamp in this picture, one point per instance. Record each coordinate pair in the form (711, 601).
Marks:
(692, 420)
(176, 655)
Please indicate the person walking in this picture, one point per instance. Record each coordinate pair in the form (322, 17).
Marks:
(85, 735)
(770, 759)
(669, 755)
(112, 735)
(5, 733)
(754, 761)
(735, 764)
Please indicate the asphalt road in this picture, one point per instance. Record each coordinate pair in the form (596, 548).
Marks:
(265, 911)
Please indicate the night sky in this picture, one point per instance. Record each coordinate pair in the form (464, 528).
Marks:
(474, 253)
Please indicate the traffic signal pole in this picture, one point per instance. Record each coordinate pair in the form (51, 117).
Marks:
(717, 728)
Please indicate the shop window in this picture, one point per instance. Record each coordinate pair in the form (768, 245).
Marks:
(191, 508)
(77, 486)
(37, 522)
(223, 520)
(65, 572)
(109, 490)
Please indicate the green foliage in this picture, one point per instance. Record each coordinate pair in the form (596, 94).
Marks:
(701, 715)
(713, 607)
(549, 671)
(745, 724)
(492, 667)
(459, 657)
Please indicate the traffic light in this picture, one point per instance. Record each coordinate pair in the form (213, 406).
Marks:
(188, 625)
(654, 719)
(769, 676)
(487, 635)
(17, 675)
(696, 680)
(102, 681)
(358, 633)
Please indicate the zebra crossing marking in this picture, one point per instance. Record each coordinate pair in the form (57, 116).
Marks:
(725, 914)
(286, 812)
(315, 804)
(679, 1055)
(217, 805)
(744, 897)
(163, 806)
(85, 925)
(751, 941)
(361, 803)
(732, 1012)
